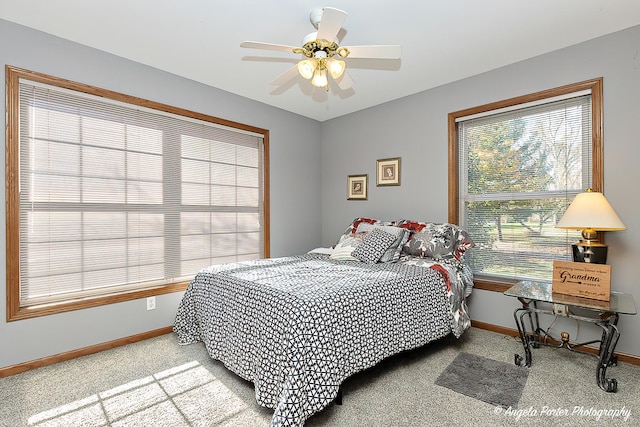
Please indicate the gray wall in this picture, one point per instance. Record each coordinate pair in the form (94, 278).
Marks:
(415, 128)
(294, 151)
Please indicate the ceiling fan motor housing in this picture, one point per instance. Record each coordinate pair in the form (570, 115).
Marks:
(322, 49)
(315, 17)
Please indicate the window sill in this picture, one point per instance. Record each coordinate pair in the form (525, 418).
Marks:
(20, 313)
(491, 286)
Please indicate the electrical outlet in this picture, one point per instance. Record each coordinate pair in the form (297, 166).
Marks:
(151, 303)
(560, 310)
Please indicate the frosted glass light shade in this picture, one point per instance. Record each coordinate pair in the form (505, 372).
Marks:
(306, 68)
(319, 78)
(590, 210)
(335, 67)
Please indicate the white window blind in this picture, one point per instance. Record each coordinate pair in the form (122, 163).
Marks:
(115, 197)
(519, 170)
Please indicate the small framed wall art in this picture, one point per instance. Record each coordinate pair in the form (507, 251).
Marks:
(388, 172)
(357, 186)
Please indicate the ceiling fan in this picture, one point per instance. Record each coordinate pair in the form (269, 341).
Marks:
(322, 54)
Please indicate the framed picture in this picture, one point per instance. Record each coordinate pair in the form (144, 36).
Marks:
(388, 172)
(357, 186)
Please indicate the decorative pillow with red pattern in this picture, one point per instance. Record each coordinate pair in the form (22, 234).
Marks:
(435, 240)
(413, 226)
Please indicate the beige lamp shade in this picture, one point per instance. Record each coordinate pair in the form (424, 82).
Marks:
(590, 210)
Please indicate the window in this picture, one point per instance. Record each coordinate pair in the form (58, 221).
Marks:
(515, 166)
(112, 198)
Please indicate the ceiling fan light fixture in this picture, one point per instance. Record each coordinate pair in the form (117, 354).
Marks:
(335, 67)
(307, 67)
(320, 78)
(322, 55)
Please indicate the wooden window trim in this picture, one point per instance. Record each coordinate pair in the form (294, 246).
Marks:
(595, 85)
(12, 76)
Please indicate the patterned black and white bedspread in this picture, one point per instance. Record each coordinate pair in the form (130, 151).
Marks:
(297, 327)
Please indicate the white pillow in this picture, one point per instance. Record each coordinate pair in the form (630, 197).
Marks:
(343, 254)
(321, 250)
(345, 246)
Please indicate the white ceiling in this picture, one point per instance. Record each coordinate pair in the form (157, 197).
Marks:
(442, 41)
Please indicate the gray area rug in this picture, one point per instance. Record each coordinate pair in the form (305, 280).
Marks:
(498, 383)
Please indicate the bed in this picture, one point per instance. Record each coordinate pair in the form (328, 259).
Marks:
(298, 326)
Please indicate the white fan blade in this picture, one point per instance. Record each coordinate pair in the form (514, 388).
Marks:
(268, 46)
(375, 51)
(345, 81)
(286, 76)
(330, 23)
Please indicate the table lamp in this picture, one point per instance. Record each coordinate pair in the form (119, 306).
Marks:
(590, 212)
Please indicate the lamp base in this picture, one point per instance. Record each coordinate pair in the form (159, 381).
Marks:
(588, 252)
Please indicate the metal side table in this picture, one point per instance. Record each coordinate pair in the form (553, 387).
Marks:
(605, 314)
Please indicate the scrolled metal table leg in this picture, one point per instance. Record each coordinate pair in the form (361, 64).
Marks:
(517, 359)
(610, 336)
(523, 337)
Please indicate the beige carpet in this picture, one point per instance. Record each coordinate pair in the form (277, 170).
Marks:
(158, 383)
